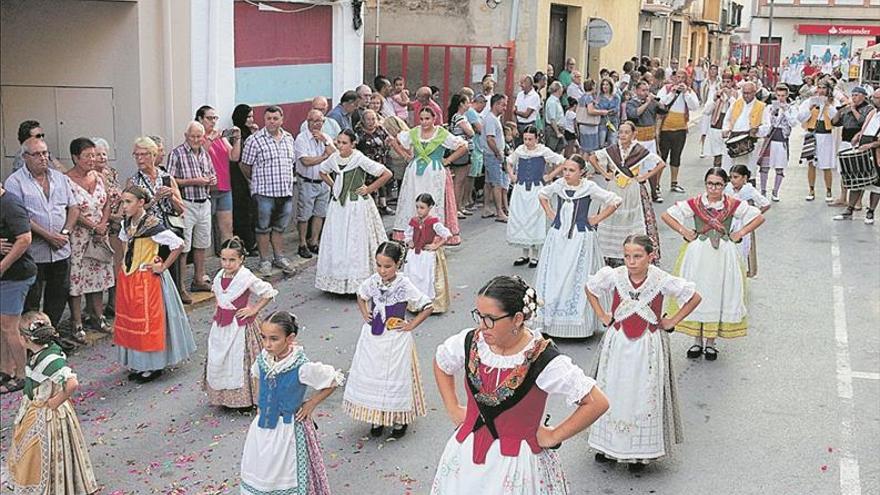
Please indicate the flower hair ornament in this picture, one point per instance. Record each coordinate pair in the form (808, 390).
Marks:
(531, 303)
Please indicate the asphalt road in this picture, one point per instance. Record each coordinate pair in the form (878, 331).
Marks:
(794, 408)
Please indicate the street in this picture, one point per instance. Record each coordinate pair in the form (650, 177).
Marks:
(794, 408)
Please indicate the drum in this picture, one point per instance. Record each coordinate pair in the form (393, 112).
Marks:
(740, 145)
(809, 150)
(857, 169)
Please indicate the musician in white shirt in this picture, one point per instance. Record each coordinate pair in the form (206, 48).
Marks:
(776, 124)
(816, 113)
(744, 118)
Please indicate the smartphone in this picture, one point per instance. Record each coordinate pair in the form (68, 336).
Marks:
(228, 133)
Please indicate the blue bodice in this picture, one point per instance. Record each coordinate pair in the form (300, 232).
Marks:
(530, 171)
(280, 397)
(579, 215)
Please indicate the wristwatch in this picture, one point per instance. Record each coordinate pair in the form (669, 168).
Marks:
(65, 231)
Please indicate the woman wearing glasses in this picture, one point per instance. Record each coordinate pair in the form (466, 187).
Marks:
(710, 259)
(510, 370)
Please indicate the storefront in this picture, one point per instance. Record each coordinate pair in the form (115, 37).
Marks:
(820, 37)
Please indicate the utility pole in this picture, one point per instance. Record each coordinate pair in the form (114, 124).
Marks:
(769, 33)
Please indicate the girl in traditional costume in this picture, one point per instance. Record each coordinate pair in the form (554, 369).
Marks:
(151, 328)
(571, 251)
(427, 172)
(740, 188)
(527, 224)
(425, 265)
(500, 446)
(384, 385)
(628, 166)
(282, 454)
(634, 364)
(353, 229)
(48, 454)
(234, 339)
(710, 258)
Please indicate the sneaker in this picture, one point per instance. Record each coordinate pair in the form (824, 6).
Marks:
(676, 188)
(304, 252)
(847, 215)
(658, 199)
(265, 268)
(828, 197)
(811, 196)
(285, 265)
(774, 197)
(869, 217)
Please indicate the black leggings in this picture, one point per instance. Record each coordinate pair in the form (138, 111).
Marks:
(671, 144)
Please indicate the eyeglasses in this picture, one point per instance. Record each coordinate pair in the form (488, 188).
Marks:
(39, 136)
(212, 117)
(715, 185)
(141, 154)
(486, 320)
(37, 153)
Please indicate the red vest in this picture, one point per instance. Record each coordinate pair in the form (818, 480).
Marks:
(423, 232)
(634, 326)
(224, 316)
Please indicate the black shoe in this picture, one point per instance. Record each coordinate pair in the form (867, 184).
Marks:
(710, 353)
(533, 263)
(695, 351)
(398, 432)
(521, 261)
(376, 431)
(109, 311)
(636, 467)
(304, 252)
(386, 211)
(314, 249)
(600, 458)
(146, 376)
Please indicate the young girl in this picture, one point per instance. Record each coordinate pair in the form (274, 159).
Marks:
(353, 229)
(234, 340)
(526, 224)
(425, 266)
(48, 453)
(628, 166)
(634, 365)
(710, 259)
(740, 188)
(151, 327)
(384, 385)
(281, 452)
(571, 252)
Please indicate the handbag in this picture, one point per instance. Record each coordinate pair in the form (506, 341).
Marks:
(99, 249)
(584, 117)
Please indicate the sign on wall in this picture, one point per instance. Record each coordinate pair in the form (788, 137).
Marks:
(838, 30)
(598, 33)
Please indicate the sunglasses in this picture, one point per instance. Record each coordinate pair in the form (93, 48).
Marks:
(40, 135)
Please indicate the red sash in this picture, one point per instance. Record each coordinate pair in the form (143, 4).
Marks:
(713, 219)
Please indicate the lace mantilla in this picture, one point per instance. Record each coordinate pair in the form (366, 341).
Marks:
(273, 368)
(513, 381)
(638, 301)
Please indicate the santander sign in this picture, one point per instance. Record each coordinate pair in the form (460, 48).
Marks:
(838, 30)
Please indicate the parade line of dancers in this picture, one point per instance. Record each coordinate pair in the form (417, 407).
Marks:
(596, 266)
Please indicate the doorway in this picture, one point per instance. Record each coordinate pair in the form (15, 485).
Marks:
(646, 44)
(558, 33)
(675, 46)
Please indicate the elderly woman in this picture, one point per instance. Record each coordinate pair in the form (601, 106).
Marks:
(371, 137)
(222, 147)
(114, 198)
(166, 203)
(91, 261)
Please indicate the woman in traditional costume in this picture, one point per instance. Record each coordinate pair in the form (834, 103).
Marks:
(710, 259)
(384, 384)
(527, 167)
(234, 339)
(500, 446)
(571, 251)
(634, 365)
(282, 454)
(426, 265)
(628, 166)
(151, 326)
(353, 229)
(48, 454)
(427, 172)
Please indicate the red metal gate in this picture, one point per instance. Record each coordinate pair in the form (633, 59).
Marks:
(767, 53)
(441, 65)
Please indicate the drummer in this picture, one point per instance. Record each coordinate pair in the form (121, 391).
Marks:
(776, 124)
(851, 118)
(867, 139)
(816, 113)
(744, 118)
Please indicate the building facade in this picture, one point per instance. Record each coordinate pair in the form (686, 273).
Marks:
(687, 29)
(131, 67)
(813, 25)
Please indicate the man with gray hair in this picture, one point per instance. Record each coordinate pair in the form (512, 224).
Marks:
(526, 107)
(424, 99)
(364, 95)
(331, 127)
(311, 148)
(191, 167)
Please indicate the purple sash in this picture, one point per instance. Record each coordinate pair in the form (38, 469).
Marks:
(377, 324)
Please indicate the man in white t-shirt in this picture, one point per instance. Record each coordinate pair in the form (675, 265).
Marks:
(527, 106)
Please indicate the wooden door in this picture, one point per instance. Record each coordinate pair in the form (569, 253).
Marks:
(558, 32)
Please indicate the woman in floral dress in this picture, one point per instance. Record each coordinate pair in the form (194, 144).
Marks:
(88, 275)
(114, 199)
